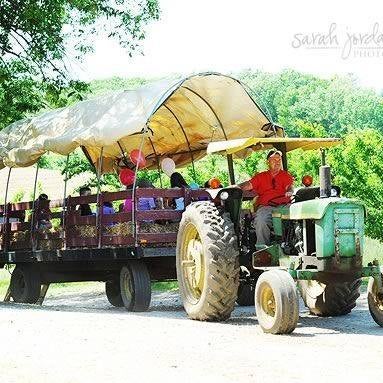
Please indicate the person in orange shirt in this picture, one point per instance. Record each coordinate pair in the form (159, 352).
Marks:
(273, 187)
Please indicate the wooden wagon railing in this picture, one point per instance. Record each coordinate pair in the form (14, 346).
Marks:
(18, 229)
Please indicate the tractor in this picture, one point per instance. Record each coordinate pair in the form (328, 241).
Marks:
(317, 250)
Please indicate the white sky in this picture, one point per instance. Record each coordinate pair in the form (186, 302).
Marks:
(226, 36)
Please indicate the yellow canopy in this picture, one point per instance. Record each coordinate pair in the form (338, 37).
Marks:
(176, 119)
(242, 146)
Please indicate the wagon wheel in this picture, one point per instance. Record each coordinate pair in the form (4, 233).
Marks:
(113, 292)
(25, 285)
(135, 286)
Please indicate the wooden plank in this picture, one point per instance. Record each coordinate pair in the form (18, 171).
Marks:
(48, 235)
(74, 218)
(151, 192)
(115, 240)
(117, 217)
(156, 237)
(82, 242)
(116, 196)
(158, 214)
(78, 200)
(22, 206)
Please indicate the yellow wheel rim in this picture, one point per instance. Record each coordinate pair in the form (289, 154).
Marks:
(267, 300)
(192, 262)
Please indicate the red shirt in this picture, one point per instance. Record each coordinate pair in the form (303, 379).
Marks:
(272, 189)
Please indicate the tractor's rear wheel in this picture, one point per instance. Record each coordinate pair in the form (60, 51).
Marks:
(333, 299)
(135, 286)
(25, 285)
(375, 302)
(207, 262)
(276, 302)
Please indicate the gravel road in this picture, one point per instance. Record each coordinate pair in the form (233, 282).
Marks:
(78, 337)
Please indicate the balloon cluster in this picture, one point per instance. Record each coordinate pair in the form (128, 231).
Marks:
(127, 175)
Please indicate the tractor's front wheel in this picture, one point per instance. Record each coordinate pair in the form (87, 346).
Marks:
(276, 302)
(207, 262)
(375, 302)
(333, 299)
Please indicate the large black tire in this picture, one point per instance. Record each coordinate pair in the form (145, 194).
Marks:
(207, 262)
(135, 286)
(246, 295)
(333, 299)
(375, 302)
(113, 292)
(25, 284)
(276, 302)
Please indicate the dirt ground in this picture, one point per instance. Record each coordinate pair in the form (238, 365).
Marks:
(78, 337)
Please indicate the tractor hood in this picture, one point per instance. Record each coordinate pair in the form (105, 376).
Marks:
(312, 209)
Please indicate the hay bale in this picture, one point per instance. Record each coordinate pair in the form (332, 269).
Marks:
(50, 244)
(121, 228)
(151, 227)
(86, 231)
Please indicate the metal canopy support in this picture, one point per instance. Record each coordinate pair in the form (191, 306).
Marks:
(98, 174)
(64, 198)
(33, 224)
(323, 156)
(210, 107)
(231, 168)
(5, 214)
(186, 138)
(125, 160)
(134, 207)
(158, 161)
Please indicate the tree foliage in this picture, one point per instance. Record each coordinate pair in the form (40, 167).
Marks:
(337, 104)
(38, 37)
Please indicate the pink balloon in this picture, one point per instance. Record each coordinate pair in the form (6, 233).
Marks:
(138, 158)
(126, 177)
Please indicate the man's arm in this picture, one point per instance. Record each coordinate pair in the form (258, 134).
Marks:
(246, 185)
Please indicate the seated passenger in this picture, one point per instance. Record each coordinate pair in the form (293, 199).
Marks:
(145, 203)
(178, 181)
(128, 203)
(84, 208)
(43, 213)
(107, 208)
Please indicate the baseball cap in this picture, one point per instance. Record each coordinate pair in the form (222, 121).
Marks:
(273, 152)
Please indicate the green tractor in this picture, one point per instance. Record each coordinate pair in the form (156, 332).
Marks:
(317, 249)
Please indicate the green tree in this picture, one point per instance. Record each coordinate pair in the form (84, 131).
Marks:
(357, 167)
(36, 38)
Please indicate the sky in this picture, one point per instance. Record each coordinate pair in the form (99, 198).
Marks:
(323, 38)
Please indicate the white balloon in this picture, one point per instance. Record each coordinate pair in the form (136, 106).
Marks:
(168, 166)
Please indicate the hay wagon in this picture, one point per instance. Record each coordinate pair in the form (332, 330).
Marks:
(126, 250)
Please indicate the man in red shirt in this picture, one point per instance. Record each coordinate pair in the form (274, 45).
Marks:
(273, 187)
